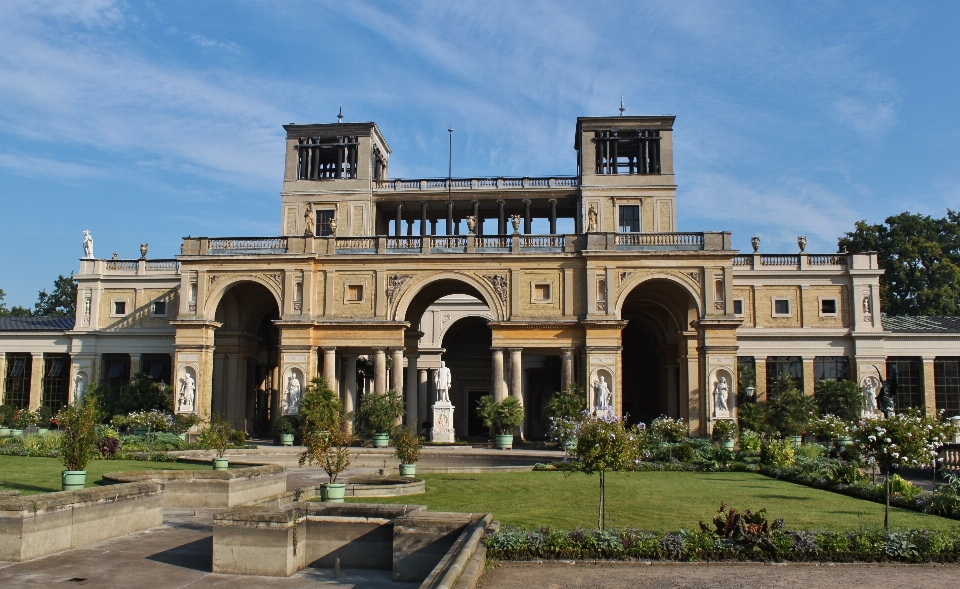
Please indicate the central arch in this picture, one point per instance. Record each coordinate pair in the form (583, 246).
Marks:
(411, 305)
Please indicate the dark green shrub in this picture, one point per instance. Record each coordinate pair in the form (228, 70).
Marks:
(6, 415)
(286, 424)
(378, 412)
(685, 452)
(839, 397)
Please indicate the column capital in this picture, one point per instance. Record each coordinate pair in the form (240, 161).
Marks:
(378, 348)
(329, 348)
(515, 350)
(395, 349)
(552, 201)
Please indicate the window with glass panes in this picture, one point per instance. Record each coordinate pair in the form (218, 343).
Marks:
(116, 370)
(56, 381)
(323, 223)
(629, 218)
(792, 365)
(946, 385)
(746, 376)
(17, 385)
(156, 366)
(831, 368)
(910, 379)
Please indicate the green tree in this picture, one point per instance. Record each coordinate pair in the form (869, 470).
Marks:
(62, 302)
(921, 257)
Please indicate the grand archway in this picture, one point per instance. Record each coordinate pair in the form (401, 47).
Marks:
(657, 312)
(246, 358)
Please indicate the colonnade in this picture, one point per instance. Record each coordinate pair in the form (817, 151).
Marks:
(453, 228)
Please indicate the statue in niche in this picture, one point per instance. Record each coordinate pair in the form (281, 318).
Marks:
(188, 391)
(308, 221)
(293, 394)
(866, 305)
(870, 386)
(592, 218)
(721, 390)
(87, 245)
(442, 379)
(78, 389)
(603, 398)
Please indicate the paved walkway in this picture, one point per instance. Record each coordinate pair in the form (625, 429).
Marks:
(711, 576)
(173, 556)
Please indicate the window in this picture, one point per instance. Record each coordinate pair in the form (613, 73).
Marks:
(541, 293)
(746, 376)
(116, 370)
(738, 306)
(629, 218)
(159, 308)
(946, 385)
(781, 307)
(323, 222)
(354, 293)
(156, 366)
(327, 158)
(628, 152)
(17, 385)
(828, 307)
(831, 368)
(56, 381)
(119, 307)
(791, 365)
(910, 380)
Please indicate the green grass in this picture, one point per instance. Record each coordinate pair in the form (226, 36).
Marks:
(42, 475)
(654, 501)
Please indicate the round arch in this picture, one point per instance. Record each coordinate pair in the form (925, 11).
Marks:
(486, 293)
(633, 283)
(220, 289)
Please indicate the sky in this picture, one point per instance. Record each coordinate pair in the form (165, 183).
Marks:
(144, 122)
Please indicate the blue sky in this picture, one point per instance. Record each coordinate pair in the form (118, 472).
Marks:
(149, 121)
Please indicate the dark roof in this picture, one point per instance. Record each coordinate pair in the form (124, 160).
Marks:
(36, 323)
(921, 324)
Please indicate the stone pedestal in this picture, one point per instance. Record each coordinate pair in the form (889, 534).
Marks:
(442, 423)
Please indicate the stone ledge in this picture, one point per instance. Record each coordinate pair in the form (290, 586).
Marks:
(210, 488)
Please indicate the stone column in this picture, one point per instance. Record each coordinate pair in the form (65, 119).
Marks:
(36, 382)
(929, 387)
(350, 386)
(501, 218)
(411, 393)
(424, 395)
(516, 374)
(449, 217)
(566, 370)
(397, 371)
(398, 230)
(3, 378)
(330, 368)
(379, 371)
(498, 392)
(527, 220)
(553, 216)
(809, 382)
(423, 218)
(136, 364)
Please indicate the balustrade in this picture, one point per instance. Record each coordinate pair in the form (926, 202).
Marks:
(541, 241)
(247, 245)
(827, 260)
(660, 239)
(357, 243)
(743, 260)
(122, 265)
(475, 183)
(779, 260)
(162, 265)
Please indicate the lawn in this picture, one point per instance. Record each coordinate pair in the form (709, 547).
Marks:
(42, 475)
(655, 501)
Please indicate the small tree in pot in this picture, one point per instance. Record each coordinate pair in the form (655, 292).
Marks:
(378, 413)
(725, 431)
(330, 448)
(406, 444)
(503, 418)
(78, 440)
(286, 428)
(216, 436)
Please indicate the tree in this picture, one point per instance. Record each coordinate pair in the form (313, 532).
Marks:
(921, 257)
(839, 397)
(13, 311)
(62, 302)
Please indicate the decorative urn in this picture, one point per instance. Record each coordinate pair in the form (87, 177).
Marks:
(755, 242)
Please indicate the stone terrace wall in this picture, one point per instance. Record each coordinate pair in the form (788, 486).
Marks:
(210, 488)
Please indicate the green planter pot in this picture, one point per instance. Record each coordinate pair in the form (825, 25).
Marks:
(727, 444)
(381, 440)
(71, 480)
(794, 441)
(332, 492)
(16, 433)
(843, 441)
(43, 430)
(140, 431)
(408, 470)
(4, 432)
(183, 437)
(221, 464)
(286, 439)
(505, 441)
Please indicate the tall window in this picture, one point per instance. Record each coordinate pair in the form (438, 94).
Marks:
(628, 152)
(831, 368)
(792, 365)
(629, 218)
(56, 380)
(323, 222)
(156, 366)
(116, 370)
(746, 376)
(910, 374)
(946, 385)
(331, 158)
(17, 385)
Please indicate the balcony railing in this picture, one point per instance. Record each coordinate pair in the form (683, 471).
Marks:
(122, 265)
(827, 259)
(779, 260)
(239, 246)
(477, 183)
(659, 241)
(161, 265)
(742, 260)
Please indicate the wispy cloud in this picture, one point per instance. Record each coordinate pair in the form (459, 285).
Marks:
(214, 44)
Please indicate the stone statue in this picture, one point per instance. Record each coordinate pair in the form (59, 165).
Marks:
(293, 394)
(333, 227)
(870, 385)
(888, 391)
(592, 218)
(308, 220)
(866, 305)
(721, 391)
(603, 398)
(442, 380)
(188, 388)
(78, 388)
(87, 245)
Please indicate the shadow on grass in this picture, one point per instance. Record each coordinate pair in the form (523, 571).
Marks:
(196, 555)
(14, 486)
(785, 497)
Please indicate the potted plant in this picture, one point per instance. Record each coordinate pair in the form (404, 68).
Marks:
(44, 415)
(78, 441)
(330, 448)
(286, 427)
(216, 436)
(564, 410)
(182, 422)
(378, 413)
(725, 431)
(406, 444)
(502, 418)
(22, 419)
(833, 428)
(6, 417)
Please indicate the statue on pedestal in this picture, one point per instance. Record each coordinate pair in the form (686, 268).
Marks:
(870, 385)
(721, 391)
(443, 430)
(293, 395)
(442, 380)
(308, 221)
(188, 388)
(87, 245)
(603, 398)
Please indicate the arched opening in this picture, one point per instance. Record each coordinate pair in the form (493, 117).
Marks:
(246, 358)
(467, 355)
(656, 312)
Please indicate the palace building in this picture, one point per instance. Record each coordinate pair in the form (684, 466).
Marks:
(371, 281)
